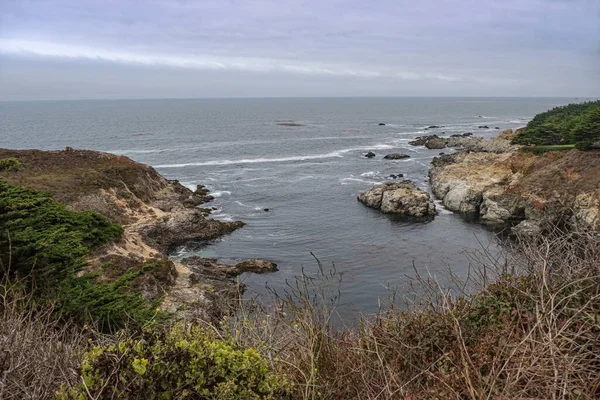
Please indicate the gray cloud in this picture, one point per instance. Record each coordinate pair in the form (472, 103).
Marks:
(300, 47)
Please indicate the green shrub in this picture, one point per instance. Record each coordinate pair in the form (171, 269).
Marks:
(43, 239)
(10, 164)
(584, 145)
(47, 244)
(179, 364)
(568, 124)
(109, 305)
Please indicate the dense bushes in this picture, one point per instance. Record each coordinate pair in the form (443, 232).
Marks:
(40, 238)
(44, 246)
(10, 164)
(178, 364)
(571, 124)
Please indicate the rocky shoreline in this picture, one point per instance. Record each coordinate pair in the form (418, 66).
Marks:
(157, 214)
(503, 187)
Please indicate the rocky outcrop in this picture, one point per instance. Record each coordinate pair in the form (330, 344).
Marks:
(587, 209)
(529, 192)
(207, 288)
(466, 142)
(459, 180)
(507, 134)
(396, 156)
(156, 214)
(402, 198)
(256, 266)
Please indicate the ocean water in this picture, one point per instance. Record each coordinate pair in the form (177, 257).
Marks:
(307, 175)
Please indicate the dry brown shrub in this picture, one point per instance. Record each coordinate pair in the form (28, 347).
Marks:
(530, 331)
(37, 352)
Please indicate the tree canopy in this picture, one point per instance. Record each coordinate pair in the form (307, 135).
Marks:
(577, 124)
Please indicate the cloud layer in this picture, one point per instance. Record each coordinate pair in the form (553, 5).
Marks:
(61, 49)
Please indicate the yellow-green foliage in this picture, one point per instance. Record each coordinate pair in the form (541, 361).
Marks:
(10, 164)
(179, 364)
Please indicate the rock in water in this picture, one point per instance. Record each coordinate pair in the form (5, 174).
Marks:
(381, 124)
(396, 156)
(402, 198)
(256, 266)
(370, 154)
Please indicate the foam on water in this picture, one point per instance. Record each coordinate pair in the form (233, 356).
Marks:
(349, 181)
(333, 154)
(220, 193)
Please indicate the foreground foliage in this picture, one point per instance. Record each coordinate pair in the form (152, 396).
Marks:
(525, 325)
(571, 124)
(177, 364)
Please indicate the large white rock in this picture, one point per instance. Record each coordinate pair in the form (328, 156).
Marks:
(399, 198)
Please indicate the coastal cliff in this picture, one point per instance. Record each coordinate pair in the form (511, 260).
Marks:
(517, 188)
(156, 214)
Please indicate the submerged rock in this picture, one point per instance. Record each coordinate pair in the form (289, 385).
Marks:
(402, 198)
(396, 156)
(370, 154)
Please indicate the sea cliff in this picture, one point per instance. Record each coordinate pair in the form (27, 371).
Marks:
(520, 189)
(156, 214)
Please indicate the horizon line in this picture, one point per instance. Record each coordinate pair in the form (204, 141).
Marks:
(293, 97)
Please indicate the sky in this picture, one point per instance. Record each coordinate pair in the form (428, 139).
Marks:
(95, 49)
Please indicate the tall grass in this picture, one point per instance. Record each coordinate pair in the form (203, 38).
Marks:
(531, 330)
(37, 352)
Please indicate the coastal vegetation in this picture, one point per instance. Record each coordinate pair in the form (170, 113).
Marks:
(43, 247)
(573, 124)
(10, 164)
(524, 325)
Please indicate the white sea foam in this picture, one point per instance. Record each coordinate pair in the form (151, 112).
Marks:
(220, 193)
(223, 217)
(333, 154)
(349, 181)
(138, 151)
(440, 207)
(370, 174)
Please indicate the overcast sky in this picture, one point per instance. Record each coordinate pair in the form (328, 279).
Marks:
(66, 49)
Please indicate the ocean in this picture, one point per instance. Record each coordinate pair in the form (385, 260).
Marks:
(303, 160)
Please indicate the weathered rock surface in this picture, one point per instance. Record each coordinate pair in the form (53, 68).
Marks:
(466, 142)
(521, 189)
(461, 180)
(396, 156)
(402, 198)
(256, 266)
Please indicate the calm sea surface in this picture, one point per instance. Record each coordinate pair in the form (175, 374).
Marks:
(308, 176)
